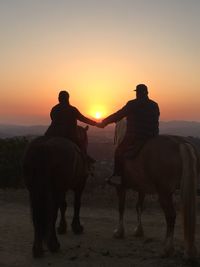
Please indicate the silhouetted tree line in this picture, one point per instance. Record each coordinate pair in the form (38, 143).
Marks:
(11, 157)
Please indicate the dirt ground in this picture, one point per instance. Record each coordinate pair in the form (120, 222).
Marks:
(96, 246)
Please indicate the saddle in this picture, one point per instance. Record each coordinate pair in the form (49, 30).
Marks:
(133, 150)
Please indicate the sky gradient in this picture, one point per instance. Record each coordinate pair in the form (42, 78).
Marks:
(98, 51)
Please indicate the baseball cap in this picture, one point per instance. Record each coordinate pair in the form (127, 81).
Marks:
(141, 88)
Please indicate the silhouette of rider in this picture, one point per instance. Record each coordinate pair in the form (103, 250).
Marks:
(142, 115)
(64, 119)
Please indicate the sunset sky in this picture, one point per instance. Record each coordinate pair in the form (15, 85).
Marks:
(98, 50)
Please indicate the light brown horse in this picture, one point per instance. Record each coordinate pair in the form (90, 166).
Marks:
(52, 166)
(163, 164)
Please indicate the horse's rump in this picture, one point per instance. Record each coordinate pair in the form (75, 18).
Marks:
(158, 164)
(54, 160)
(157, 157)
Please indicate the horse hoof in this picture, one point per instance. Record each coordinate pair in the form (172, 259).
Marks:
(118, 234)
(190, 255)
(138, 232)
(37, 252)
(167, 252)
(77, 229)
(61, 230)
(54, 247)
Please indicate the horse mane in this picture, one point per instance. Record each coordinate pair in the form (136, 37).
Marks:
(120, 130)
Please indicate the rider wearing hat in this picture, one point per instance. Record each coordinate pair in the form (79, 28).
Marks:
(142, 115)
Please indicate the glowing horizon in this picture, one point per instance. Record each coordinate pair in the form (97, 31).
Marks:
(98, 51)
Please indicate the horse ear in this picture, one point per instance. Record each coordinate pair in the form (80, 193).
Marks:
(86, 127)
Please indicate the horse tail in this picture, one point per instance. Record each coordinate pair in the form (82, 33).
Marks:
(37, 189)
(188, 195)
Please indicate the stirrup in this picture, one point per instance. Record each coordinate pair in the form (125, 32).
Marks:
(114, 177)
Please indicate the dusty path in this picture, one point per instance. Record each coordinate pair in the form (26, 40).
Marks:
(96, 247)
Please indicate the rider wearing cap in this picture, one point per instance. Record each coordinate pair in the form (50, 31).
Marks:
(142, 116)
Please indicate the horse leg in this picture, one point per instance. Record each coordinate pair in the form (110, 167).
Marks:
(52, 212)
(38, 224)
(167, 205)
(121, 191)
(37, 248)
(76, 226)
(62, 228)
(138, 232)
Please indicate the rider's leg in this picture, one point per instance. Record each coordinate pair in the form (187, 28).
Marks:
(118, 162)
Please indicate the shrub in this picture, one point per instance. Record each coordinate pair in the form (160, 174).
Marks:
(11, 156)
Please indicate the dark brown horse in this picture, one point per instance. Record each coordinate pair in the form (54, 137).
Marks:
(163, 164)
(52, 166)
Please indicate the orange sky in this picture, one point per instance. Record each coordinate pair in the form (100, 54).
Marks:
(99, 52)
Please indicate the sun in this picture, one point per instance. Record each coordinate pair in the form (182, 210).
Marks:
(98, 115)
(97, 112)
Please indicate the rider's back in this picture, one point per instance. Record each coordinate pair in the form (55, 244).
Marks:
(64, 121)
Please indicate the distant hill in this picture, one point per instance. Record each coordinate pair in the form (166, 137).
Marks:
(185, 128)
(7, 130)
(96, 134)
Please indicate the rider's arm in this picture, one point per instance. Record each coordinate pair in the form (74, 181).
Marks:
(117, 116)
(84, 119)
(157, 110)
(53, 113)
